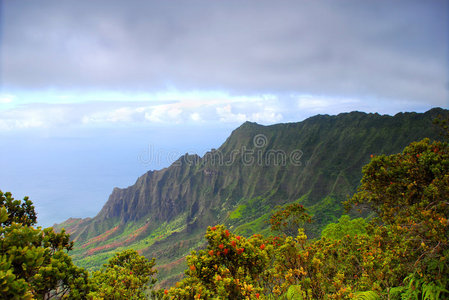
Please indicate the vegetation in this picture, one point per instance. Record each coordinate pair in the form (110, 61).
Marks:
(399, 251)
(127, 275)
(34, 262)
(345, 226)
(399, 254)
(164, 214)
(228, 268)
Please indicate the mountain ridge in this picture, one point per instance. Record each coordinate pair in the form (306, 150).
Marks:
(165, 213)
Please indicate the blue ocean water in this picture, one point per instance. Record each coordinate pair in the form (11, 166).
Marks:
(71, 174)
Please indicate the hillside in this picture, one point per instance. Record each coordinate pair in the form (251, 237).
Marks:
(316, 162)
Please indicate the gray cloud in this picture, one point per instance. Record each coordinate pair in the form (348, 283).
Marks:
(380, 49)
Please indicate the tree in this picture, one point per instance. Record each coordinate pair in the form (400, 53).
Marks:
(400, 254)
(34, 263)
(345, 226)
(443, 124)
(18, 211)
(289, 218)
(409, 192)
(231, 267)
(127, 275)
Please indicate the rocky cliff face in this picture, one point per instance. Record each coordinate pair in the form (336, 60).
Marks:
(317, 162)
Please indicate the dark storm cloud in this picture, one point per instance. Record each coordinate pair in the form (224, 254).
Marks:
(386, 49)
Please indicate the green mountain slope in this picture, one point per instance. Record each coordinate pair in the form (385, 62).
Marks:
(316, 162)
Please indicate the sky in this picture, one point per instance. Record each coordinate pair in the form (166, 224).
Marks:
(90, 91)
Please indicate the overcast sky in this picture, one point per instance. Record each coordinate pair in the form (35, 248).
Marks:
(71, 67)
(218, 61)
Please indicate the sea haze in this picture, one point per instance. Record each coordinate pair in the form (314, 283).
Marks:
(73, 176)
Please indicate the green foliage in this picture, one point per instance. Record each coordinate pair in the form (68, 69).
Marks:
(237, 213)
(127, 275)
(443, 124)
(416, 287)
(231, 267)
(323, 212)
(409, 192)
(289, 218)
(401, 254)
(409, 185)
(18, 211)
(369, 295)
(334, 150)
(34, 263)
(294, 292)
(345, 226)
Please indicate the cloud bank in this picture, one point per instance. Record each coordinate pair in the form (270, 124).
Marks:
(390, 50)
(198, 109)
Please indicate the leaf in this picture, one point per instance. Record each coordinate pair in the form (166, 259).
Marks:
(3, 214)
(396, 292)
(432, 291)
(294, 292)
(368, 295)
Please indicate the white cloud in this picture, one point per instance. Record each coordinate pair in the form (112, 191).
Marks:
(189, 108)
(195, 116)
(7, 125)
(119, 115)
(266, 116)
(35, 117)
(6, 99)
(226, 115)
(164, 113)
(313, 103)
